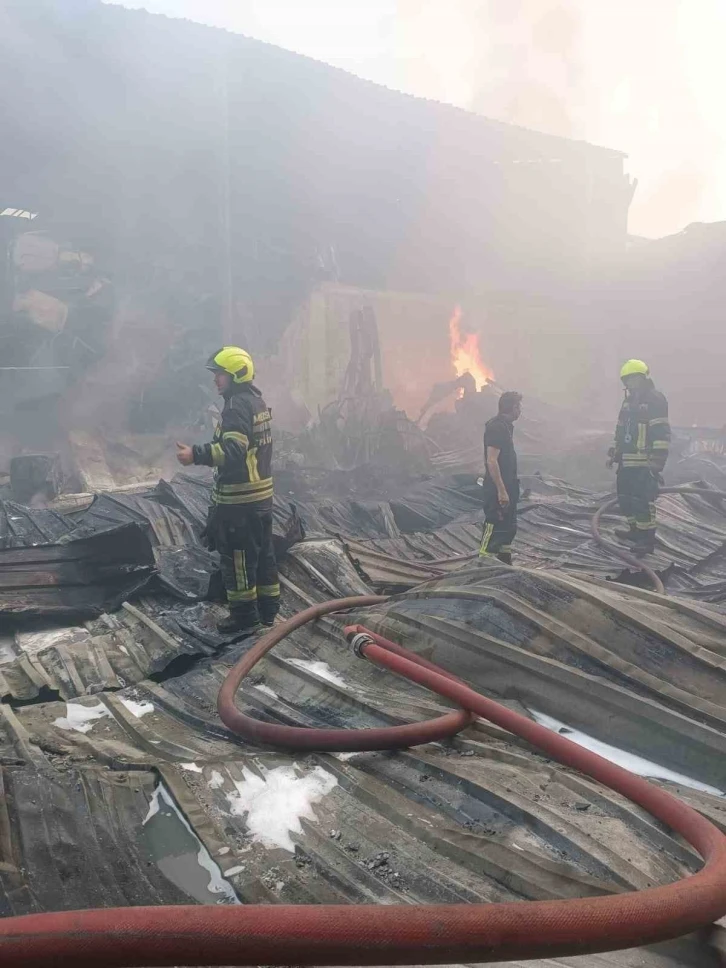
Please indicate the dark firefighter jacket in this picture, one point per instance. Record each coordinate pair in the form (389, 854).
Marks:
(643, 434)
(241, 451)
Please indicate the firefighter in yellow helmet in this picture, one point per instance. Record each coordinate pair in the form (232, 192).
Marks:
(642, 438)
(239, 526)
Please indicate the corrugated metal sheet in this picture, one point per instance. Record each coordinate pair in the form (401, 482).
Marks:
(21, 527)
(115, 651)
(481, 818)
(76, 576)
(70, 839)
(554, 531)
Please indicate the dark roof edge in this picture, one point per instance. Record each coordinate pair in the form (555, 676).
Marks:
(502, 125)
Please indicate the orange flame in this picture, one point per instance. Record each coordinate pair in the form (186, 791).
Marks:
(465, 354)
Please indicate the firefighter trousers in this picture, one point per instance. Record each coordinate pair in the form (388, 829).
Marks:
(500, 526)
(248, 565)
(637, 492)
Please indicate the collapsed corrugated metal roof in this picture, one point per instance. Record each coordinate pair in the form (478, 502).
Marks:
(112, 730)
(554, 531)
(481, 818)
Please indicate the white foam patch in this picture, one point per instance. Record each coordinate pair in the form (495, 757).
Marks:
(234, 870)
(138, 709)
(321, 669)
(628, 761)
(81, 718)
(277, 802)
(216, 781)
(267, 691)
(191, 768)
(217, 883)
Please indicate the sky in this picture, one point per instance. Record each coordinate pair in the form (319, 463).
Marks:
(642, 76)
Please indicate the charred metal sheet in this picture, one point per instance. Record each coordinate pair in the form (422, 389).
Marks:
(81, 577)
(326, 564)
(645, 673)
(436, 502)
(554, 530)
(22, 527)
(71, 839)
(190, 493)
(112, 652)
(480, 818)
(167, 526)
(397, 564)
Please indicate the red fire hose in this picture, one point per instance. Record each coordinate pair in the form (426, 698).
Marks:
(390, 935)
(338, 740)
(630, 559)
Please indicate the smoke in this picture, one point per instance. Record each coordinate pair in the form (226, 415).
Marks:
(644, 78)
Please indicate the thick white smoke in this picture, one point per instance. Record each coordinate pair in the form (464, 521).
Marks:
(645, 77)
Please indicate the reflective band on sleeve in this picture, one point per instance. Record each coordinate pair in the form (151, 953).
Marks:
(217, 455)
(235, 435)
(252, 468)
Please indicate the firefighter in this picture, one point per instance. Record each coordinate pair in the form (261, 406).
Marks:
(501, 485)
(239, 525)
(642, 437)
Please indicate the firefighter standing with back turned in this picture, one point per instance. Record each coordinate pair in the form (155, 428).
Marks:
(642, 437)
(239, 525)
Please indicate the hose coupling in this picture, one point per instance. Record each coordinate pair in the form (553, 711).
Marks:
(359, 641)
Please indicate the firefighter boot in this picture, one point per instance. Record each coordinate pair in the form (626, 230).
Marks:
(241, 621)
(645, 545)
(269, 607)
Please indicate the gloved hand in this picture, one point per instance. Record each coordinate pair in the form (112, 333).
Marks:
(611, 457)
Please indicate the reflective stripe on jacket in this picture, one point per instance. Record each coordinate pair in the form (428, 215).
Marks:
(241, 450)
(643, 433)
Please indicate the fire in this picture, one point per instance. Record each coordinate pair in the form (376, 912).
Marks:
(465, 354)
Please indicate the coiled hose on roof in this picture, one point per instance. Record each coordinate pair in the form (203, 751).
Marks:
(625, 556)
(389, 934)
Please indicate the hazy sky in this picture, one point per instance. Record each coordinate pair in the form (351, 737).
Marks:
(643, 76)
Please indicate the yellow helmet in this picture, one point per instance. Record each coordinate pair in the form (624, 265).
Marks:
(235, 361)
(634, 366)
